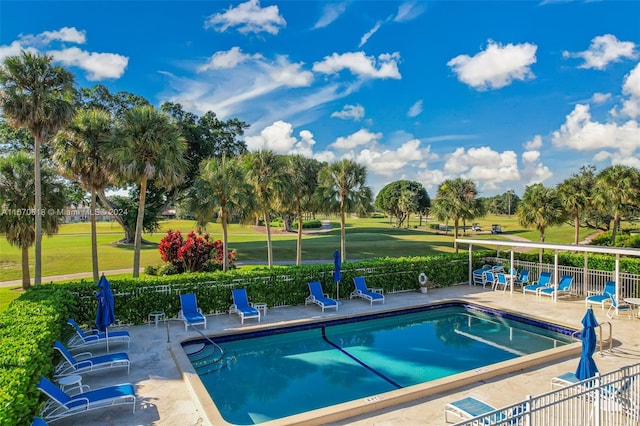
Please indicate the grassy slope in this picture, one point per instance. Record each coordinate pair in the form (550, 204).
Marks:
(69, 250)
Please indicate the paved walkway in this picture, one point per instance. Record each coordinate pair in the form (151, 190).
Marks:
(164, 398)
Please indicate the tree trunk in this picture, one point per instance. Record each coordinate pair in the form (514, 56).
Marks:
(267, 226)
(576, 229)
(455, 234)
(94, 236)
(225, 249)
(614, 231)
(137, 244)
(37, 275)
(26, 278)
(128, 233)
(299, 239)
(343, 230)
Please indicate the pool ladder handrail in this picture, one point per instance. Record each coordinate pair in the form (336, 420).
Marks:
(601, 342)
(215, 345)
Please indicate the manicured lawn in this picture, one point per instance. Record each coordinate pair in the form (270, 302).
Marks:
(70, 251)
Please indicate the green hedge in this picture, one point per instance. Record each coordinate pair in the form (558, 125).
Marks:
(28, 329)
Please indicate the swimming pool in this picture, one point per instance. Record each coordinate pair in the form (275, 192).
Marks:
(275, 373)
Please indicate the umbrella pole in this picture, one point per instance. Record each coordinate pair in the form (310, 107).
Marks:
(106, 332)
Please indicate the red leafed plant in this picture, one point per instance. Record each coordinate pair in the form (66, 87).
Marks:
(194, 253)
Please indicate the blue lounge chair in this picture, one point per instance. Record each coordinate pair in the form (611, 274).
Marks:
(363, 292)
(241, 305)
(478, 275)
(602, 298)
(543, 281)
(61, 405)
(470, 407)
(38, 421)
(86, 362)
(489, 278)
(319, 298)
(189, 312)
(88, 338)
(563, 287)
(502, 281)
(617, 307)
(522, 279)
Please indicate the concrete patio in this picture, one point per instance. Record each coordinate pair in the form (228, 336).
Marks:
(165, 399)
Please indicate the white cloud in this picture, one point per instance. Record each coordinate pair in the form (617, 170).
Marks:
(603, 50)
(99, 66)
(495, 67)
(416, 109)
(365, 38)
(534, 144)
(409, 10)
(533, 171)
(64, 34)
(14, 49)
(581, 133)
(278, 138)
(599, 98)
(361, 137)
(289, 74)
(227, 59)
(631, 87)
(483, 165)
(248, 17)
(330, 12)
(355, 112)
(386, 65)
(395, 163)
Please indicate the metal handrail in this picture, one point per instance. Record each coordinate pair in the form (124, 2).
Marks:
(215, 345)
(601, 341)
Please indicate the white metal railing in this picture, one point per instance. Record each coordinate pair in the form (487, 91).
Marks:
(611, 399)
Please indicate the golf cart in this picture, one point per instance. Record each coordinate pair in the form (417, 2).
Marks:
(496, 229)
(476, 227)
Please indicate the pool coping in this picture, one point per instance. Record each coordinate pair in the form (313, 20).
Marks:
(333, 413)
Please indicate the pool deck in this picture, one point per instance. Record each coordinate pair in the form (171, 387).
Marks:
(165, 399)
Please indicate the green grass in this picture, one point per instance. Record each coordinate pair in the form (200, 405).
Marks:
(69, 251)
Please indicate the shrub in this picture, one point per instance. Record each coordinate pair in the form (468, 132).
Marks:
(191, 254)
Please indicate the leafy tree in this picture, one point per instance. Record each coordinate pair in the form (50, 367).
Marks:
(575, 196)
(116, 104)
(149, 148)
(37, 96)
(617, 189)
(412, 194)
(540, 208)
(456, 200)
(221, 188)
(344, 190)
(17, 210)
(302, 180)
(264, 171)
(81, 151)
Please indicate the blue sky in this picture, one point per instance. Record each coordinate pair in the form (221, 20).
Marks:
(504, 93)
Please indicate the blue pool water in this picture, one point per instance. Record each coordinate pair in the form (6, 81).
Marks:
(276, 373)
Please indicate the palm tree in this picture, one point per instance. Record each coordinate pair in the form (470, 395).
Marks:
(456, 200)
(36, 95)
(81, 152)
(575, 196)
(616, 190)
(343, 188)
(264, 173)
(222, 188)
(302, 179)
(17, 195)
(148, 147)
(540, 207)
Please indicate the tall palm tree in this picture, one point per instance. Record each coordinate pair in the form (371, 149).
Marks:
(17, 196)
(575, 196)
(265, 174)
(148, 146)
(617, 189)
(81, 151)
(456, 200)
(222, 188)
(540, 207)
(302, 180)
(36, 95)
(343, 188)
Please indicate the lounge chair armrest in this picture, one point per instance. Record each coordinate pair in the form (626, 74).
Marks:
(233, 308)
(593, 293)
(83, 355)
(376, 290)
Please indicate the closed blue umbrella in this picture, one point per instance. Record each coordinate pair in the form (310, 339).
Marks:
(587, 366)
(337, 265)
(106, 310)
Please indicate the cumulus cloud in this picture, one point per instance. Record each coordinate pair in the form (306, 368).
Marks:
(278, 137)
(354, 112)
(416, 109)
(64, 34)
(330, 12)
(631, 87)
(533, 144)
(227, 59)
(603, 50)
(581, 133)
(385, 66)
(248, 17)
(483, 165)
(361, 137)
(599, 98)
(389, 162)
(495, 67)
(290, 74)
(99, 66)
(533, 171)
